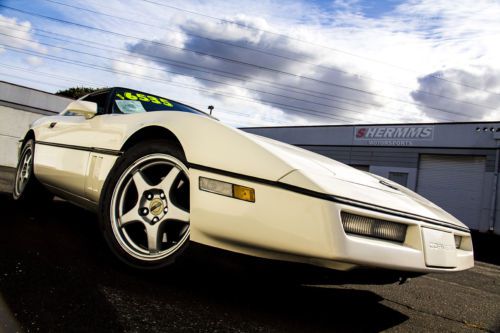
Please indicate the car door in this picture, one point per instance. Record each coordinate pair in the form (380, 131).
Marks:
(64, 147)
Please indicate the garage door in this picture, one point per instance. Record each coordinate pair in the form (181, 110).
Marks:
(454, 183)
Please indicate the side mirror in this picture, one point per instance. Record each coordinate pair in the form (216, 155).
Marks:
(82, 108)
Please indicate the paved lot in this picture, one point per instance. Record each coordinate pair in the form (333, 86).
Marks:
(56, 274)
(6, 178)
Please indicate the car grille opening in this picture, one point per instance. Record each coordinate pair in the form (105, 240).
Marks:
(367, 226)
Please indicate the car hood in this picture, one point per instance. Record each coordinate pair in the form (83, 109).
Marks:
(318, 173)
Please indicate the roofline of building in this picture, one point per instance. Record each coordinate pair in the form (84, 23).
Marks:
(386, 124)
(26, 87)
(27, 108)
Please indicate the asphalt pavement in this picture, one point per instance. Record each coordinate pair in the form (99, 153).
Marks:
(56, 275)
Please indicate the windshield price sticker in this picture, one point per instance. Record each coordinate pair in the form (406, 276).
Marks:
(130, 106)
(144, 98)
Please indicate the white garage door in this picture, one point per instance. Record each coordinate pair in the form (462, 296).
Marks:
(454, 183)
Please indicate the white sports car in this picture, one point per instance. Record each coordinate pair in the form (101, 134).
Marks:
(160, 173)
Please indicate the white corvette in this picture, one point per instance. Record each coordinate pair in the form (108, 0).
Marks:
(160, 173)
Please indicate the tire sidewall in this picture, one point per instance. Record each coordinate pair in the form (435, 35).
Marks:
(123, 162)
(22, 195)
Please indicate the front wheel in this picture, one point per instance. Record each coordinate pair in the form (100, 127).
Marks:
(144, 210)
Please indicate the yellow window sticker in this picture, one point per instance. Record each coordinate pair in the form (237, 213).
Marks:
(127, 95)
(166, 102)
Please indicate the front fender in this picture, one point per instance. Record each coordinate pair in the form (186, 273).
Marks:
(210, 143)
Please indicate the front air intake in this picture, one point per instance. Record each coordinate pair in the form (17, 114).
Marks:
(370, 227)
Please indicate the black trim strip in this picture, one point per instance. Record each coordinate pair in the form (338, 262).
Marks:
(324, 196)
(90, 149)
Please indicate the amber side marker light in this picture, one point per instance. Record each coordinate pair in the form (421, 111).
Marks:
(227, 189)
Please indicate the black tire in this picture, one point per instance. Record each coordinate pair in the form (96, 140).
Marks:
(116, 187)
(26, 186)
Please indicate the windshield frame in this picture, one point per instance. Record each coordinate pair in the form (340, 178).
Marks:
(117, 90)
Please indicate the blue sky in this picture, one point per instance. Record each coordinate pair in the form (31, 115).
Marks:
(371, 9)
(375, 9)
(268, 62)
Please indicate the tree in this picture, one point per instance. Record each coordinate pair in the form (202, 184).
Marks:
(76, 92)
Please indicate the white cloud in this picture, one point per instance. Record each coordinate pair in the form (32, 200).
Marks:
(480, 104)
(17, 34)
(34, 61)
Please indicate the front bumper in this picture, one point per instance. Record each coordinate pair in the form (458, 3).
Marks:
(414, 254)
(286, 225)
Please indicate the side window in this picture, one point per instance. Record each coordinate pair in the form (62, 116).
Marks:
(101, 99)
(399, 177)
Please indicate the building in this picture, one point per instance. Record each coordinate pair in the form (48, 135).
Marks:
(455, 165)
(19, 107)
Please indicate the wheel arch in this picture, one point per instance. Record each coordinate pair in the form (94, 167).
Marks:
(30, 135)
(152, 132)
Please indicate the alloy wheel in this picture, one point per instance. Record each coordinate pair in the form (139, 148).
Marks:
(150, 207)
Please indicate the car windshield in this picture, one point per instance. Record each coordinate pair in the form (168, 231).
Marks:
(132, 101)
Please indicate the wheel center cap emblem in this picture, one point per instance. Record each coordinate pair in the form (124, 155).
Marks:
(156, 206)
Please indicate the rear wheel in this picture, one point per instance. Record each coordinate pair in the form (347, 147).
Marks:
(26, 186)
(144, 210)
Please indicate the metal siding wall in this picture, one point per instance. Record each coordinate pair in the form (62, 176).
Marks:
(381, 156)
(14, 124)
(497, 215)
(490, 162)
(406, 157)
(455, 183)
(484, 221)
(341, 154)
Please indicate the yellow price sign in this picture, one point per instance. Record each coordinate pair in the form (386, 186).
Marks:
(144, 98)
